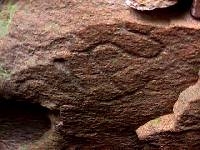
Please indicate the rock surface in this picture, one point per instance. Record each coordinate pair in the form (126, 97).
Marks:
(106, 68)
(195, 12)
(150, 4)
(183, 126)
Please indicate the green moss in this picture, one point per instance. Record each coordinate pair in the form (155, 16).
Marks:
(6, 17)
(24, 147)
(156, 121)
(4, 74)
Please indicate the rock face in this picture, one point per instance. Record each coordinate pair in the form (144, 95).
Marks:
(183, 126)
(195, 12)
(101, 69)
(150, 4)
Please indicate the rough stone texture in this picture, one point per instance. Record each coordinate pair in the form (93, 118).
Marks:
(107, 68)
(180, 130)
(187, 108)
(195, 12)
(150, 4)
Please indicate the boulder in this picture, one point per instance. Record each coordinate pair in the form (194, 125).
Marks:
(195, 9)
(150, 4)
(101, 69)
(179, 130)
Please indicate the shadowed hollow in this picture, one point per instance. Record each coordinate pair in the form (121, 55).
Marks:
(21, 123)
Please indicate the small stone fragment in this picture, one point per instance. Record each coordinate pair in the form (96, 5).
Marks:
(150, 4)
(195, 10)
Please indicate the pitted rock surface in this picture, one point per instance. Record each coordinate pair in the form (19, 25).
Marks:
(183, 126)
(107, 69)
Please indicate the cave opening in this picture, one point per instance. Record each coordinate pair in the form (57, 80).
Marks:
(22, 123)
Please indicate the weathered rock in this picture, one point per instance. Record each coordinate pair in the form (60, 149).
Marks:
(150, 4)
(195, 11)
(183, 126)
(187, 108)
(106, 69)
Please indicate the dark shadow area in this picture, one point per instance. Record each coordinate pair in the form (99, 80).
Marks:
(21, 123)
(164, 14)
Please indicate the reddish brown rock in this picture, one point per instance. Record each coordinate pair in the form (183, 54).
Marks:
(195, 11)
(179, 130)
(106, 69)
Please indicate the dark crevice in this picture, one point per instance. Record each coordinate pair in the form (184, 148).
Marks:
(59, 60)
(22, 123)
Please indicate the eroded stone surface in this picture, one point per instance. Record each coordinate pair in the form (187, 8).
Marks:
(150, 4)
(108, 70)
(195, 11)
(187, 108)
(183, 126)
